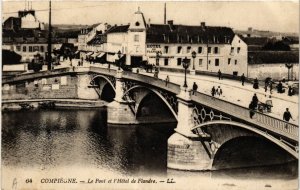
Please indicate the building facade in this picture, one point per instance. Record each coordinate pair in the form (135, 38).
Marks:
(167, 45)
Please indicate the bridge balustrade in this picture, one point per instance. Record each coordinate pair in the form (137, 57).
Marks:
(270, 123)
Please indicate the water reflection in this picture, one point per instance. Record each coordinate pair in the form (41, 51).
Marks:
(55, 139)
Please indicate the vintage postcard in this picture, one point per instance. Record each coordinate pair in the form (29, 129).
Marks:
(150, 95)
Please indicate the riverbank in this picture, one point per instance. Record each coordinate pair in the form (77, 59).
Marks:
(36, 103)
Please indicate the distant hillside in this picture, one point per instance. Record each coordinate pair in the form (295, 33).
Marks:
(263, 33)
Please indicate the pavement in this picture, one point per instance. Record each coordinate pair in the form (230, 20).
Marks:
(233, 91)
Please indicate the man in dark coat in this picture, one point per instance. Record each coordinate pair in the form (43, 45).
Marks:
(195, 87)
(254, 100)
(243, 78)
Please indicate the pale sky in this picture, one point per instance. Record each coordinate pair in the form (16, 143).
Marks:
(280, 16)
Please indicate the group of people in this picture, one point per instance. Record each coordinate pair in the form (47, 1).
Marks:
(217, 91)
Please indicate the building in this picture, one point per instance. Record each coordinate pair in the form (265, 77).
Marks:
(26, 36)
(166, 45)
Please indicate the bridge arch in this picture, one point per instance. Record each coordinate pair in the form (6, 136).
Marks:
(105, 78)
(267, 136)
(106, 90)
(161, 97)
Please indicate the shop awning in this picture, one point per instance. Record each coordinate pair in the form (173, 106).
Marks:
(90, 53)
(101, 55)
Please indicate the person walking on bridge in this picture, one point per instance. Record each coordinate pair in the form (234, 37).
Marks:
(213, 91)
(167, 80)
(243, 78)
(195, 87)
(220, 74)
(287, 116)
(254, 100)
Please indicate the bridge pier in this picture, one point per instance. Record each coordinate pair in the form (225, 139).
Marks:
(119, 111)
(187, 151)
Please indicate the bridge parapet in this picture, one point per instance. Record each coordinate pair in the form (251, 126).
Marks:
(266, 122)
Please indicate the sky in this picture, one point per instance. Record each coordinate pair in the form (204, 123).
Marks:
(279, 16)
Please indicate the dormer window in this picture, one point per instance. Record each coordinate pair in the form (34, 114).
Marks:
(137, 24)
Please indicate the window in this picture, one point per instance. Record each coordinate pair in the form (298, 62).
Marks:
(18, 48)
(199, 49)
(42, 48)
(179, 49)
(136, 38)
(229, 60)
(24, 49)
(209, 62)
(200, 62)
(30, 48)
(232, 50)
(217, 62)
(166, 49)
(178, 61)
(188, 49)
(209, 50)
(35, 48)
(216, 50)
(235, 62)
(238, 50)
(166, 61)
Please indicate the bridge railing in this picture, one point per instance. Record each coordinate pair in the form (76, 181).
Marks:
(105, 71)
(259, 119)
(155, 82)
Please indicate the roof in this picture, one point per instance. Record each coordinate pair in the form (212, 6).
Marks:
(118, 29)
(162, 33)
(256, 40)
(97, 40)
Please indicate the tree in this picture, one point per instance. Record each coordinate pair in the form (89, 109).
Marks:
(276, 46)
(10, 57)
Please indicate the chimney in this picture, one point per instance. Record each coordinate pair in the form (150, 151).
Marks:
(170, 22)
(202, 24)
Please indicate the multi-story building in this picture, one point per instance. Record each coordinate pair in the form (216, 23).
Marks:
(26, 36)
(215, 48)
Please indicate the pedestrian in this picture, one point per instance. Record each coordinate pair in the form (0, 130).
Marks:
(280, 88)
(220, 74)
(213, 91)
(167, 80)
(255, 101)
(290, 91)
(218, 91)
(195, 87)
(255, 84)
(271, 86)
(266, 87)
(243, 78)
(287, 116)
(252, 109)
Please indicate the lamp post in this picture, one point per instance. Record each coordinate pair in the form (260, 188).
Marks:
(193, 56)
(119, 56)
(289, 66)
(185, 64)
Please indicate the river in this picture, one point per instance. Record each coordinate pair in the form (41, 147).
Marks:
(66, 143)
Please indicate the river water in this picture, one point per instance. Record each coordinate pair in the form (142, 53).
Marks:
(66, 143)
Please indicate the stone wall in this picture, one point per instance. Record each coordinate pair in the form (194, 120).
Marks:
(62, 87)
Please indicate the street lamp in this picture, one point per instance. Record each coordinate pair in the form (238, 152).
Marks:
(185, 64)
(119, 56)
(193, 56)
(289, 66)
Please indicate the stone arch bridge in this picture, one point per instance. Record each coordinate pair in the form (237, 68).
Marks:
(207, 127)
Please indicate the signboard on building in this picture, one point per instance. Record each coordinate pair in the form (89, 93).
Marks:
(153, 48)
